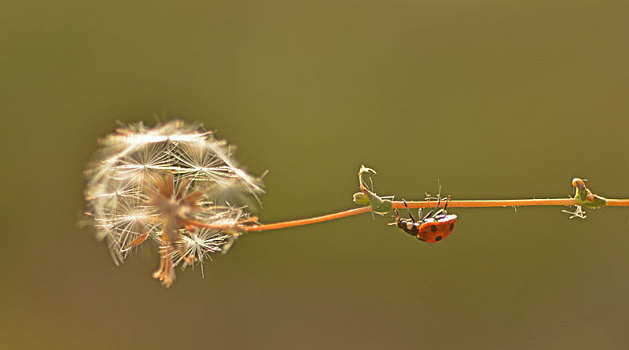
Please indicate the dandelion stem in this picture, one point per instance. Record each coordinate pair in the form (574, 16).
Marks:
(308, 221)
(617, 202)
(430, 204)
(493, 203)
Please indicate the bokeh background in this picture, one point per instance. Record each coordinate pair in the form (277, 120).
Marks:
(495, 99)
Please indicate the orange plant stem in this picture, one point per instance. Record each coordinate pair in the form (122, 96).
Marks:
(617, 203)
(418, 204)
(412, 205)
(301, 222)
(490, 203)
(283, 224)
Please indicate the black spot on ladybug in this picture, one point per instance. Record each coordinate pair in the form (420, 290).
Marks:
(438, 238)
(433, 228)
(452, 226)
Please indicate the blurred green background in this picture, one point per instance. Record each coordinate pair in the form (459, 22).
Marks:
(495, 99)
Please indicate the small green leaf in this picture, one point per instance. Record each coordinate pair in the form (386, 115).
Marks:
(594, 201)
(381, 206)
(360, 198)
(586, 197)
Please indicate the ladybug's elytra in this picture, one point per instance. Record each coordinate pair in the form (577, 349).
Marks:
(433, 228)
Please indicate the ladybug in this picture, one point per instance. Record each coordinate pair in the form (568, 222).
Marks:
(433, 228)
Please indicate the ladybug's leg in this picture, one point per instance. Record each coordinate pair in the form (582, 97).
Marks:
(445, 208)
(396, 217)
(428, 198)
(441, 213)
(430, 214)
(409, 211)
(407, 226)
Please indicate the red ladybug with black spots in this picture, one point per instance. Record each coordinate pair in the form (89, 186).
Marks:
(433, 228)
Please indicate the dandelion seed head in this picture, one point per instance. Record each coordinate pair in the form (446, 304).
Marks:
(200, 245)
(120, 190)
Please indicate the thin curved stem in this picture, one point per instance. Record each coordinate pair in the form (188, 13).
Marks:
(491, 203)
(413, 205)
(617, 202)
(308, 221)
(283, 224)
(416, 204)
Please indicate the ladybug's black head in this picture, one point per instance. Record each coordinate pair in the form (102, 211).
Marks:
(408, 226)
